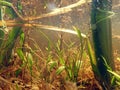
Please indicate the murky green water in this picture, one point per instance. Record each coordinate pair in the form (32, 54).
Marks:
(79, 17)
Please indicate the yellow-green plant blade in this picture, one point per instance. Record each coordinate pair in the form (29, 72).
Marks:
(20, 54)
(60, 69)
(91, 54)
(52, 64)
(5, 3)
(22, 38)
(30, 61)
(115, 74)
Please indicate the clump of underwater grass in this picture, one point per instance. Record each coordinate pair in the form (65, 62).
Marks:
(7, 44)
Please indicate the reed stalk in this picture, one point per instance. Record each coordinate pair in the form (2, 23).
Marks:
(102, 40)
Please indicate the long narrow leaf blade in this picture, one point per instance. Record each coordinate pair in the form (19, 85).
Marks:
(60, 69)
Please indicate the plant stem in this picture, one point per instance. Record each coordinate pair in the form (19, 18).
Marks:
(102, 39)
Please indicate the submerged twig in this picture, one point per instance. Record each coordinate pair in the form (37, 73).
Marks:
(53, 28)
(48, 27)
(59, 11)
(55, 12)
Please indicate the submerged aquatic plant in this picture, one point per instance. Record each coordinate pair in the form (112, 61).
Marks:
(73, 62)
(7, 45)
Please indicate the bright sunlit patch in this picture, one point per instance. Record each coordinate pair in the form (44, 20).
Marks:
(118, 59)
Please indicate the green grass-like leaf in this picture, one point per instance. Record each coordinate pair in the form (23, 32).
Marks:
(115, 74)
(5, 3)
(52, 64)
(18, 72)
(20, 54)
(22, 38)
(30, 61)
(60, 69)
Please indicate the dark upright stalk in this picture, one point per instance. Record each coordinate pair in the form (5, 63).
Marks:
(101, 32)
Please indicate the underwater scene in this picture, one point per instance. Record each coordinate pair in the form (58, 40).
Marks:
(59, 45)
